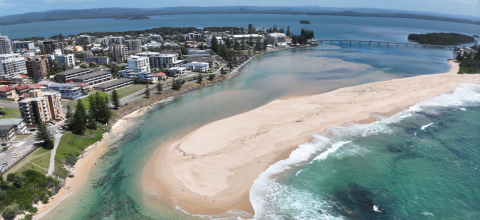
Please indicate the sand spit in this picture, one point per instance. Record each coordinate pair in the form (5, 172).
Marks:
(212, 169)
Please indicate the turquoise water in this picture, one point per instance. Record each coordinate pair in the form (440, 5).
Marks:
(420, 164)
(113, 190)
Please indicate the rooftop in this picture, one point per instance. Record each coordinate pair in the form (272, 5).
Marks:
(6, 89)
(10, 121)
(90, 75)
(72, 71)
(113, 83)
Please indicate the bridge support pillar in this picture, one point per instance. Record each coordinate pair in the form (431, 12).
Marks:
(388, 44)
(331, 42)
(350, 42)
(359, 43)
(369, 43)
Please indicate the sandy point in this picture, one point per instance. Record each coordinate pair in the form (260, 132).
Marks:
(211, 170)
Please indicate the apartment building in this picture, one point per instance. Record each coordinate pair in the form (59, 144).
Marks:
(138, 63)
(100, 60)
(66, 76)
(67, 90)
(49, 46)
(67, 59)
(23, 45)
(37, 66)
(114, 84)
(247, 38)
(93, 78)
(134, 46)
(5, 45)
(118, 52)
(42, 104)
(210, 60)
(84, 39)
(17, 123)
(197, 66)
(7, 133)
(162, 61)
(277, 38)
(11, 65)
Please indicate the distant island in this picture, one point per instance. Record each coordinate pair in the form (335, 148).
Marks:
(441, 38)
(138, 18)
(305, 22)
(476, 36)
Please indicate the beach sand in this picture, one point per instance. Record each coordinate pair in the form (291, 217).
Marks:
(212, 169)
(84, 166)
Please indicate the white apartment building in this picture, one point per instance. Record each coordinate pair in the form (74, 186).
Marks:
(197, 66)
(12, 65)
(138, 64)
(67, 59)
(247, 37)
(277, 38)
(23, 45)
(162, 61)
(5, 45)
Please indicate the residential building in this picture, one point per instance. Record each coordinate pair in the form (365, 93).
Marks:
(43, 105)
(210, 60)
(161, 61)
(67, 90)
(49, 46)
(20, 78)
(247, 38)
(93, 78)
(279, 39)
(155, 37)
(114, 84)
(219, 40)
(37, 66)
(139, 63)
(11, 65)
(190, 37)
(160, 76)
(5, 45)
(134, 46)
(8, 93)
(67, 59)
(21, 89)
(197, 66)
(28, 54)
(18, 124)
(23, 45)
(100, 60)
(84, 39)
(176, 71)
(127, 73)
(66, 76)
(118, 52)
(7, 133)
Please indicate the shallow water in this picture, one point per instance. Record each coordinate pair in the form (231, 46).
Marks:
(113, 190)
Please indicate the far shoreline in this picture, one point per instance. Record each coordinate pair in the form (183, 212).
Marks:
(201, 192)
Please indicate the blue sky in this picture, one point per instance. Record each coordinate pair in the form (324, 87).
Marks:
(458, 7)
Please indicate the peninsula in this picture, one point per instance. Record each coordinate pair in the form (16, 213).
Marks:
(441, 38)
(212, 169)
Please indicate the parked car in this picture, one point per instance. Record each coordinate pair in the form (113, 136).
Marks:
(55, 131)
(18, 155)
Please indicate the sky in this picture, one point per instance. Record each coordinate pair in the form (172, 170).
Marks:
(454, 7)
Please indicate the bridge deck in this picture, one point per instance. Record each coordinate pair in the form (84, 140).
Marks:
(381, 42)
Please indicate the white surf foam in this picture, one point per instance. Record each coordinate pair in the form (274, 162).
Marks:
(426, 126)
(376, 208)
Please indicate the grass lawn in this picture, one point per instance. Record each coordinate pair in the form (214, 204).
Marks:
(130, 89)
(12, 113)
(85, 101)
(74, 144)
(40, 155)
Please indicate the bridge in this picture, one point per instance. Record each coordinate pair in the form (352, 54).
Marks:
(378, 43)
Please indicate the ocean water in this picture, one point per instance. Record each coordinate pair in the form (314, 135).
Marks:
(113, 190)
(422, 163)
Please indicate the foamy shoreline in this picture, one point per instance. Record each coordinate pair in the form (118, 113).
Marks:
(212, 169)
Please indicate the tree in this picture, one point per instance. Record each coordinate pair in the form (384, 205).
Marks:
(288, 31)
(2, 111)
(214, 44)
(211, 77)
(18, 181)
(176, 85)
(91, 120)
(159, 87)
(115, 99)
(147, 91)
(79, 119)
(68, 116)
(106, 113)
(199, 78)
(43, 134)
(222, 71)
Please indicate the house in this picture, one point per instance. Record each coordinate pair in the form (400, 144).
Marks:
(20, 78)
(160, 76)
(22, 89)
(8, 93)
(18, 124)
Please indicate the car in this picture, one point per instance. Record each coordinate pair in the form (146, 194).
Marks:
(55, 131)
(18, 155)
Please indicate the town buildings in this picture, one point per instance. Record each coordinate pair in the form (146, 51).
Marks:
(20, 78)
(161, 61)
(176, 71)
(5, 45)
(118, 52)
(139, 63)
(245, 38)
(23, 45)
(114, 84)
(8, 93)
(67, 59)
(205, 59)
(49, 46)
(42, 104)
(93, 77)
(9, 127)
(197, 66)
(279, 39)
(100, 60)
(134, 46)
(37, 66)
(84, 39)
(67, 90)
(11, 65)
(66, 76)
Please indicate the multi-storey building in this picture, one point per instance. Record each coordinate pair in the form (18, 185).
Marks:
(23, 45)
(277, 38)
(197, 66)
(7, 132)
(67, 59)
(37, 66)
(11, 65)
(114, 84)
(219, 40)
(100, 60)
(245, 38)
(134, 46)
(66, 76)
(5, 45)
(138, 64)
(44, 105)
(49, 46)
(67, 90)
(162, 61)
(6, 125)
(118, 52)
(84, 39)
(93, 78)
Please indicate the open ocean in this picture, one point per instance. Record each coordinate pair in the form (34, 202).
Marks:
(419, 164)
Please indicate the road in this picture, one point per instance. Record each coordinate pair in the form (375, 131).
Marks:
(8, 104)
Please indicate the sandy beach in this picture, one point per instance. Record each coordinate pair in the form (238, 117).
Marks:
(212, 169)
(83, 166)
